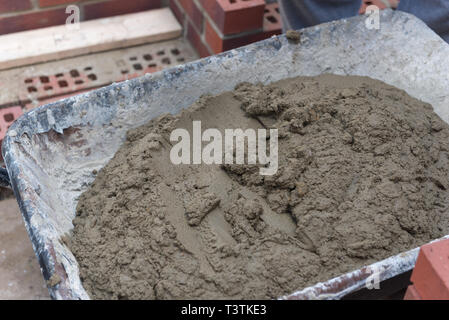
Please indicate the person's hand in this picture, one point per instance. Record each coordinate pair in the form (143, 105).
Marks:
(382, 4)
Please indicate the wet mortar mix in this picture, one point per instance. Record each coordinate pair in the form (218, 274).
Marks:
(362, 176)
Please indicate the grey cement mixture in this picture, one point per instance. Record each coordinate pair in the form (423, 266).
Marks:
(362, 176)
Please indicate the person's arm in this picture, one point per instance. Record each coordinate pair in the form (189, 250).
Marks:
(381, 4)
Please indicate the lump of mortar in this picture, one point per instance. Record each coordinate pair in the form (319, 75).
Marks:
(293, 36)
(199, 207)
(362, 176)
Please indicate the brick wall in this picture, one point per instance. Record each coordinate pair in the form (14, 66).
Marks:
(21, 15)
(214, 26)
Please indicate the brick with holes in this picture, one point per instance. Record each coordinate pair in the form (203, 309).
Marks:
(7, 117)
(45, 86)
(272, 22)
(35, 104)
(235, 16)
(149, 63)
(219, 43)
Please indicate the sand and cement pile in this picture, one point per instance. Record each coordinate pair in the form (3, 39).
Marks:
(362, 176)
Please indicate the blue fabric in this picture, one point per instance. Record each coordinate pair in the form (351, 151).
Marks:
(298, 14)
(435, 13)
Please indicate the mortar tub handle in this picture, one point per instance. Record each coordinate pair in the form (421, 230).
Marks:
(4, 178)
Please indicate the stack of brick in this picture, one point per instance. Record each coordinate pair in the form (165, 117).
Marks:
(214, 26)
(430, 276)
(21, 15)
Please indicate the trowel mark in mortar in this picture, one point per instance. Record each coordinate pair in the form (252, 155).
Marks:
(199, 207)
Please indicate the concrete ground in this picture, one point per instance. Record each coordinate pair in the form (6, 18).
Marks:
(20, 275)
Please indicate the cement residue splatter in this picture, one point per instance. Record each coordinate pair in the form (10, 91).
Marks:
(293, 36)
(362, 176)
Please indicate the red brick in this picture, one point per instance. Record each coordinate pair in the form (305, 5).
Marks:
(133, 75)
(49, 3)
(117, 7)
(214, 10)
(272, 22)
(220, 43)
(14, 5)
(52, 85)
(33, 20)
(412, 293)
(431, 274)
(179, 14)
(236, 17)
(195, 39)
(39, 103)
(7, 117)
(214, 40)
(193, 12)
